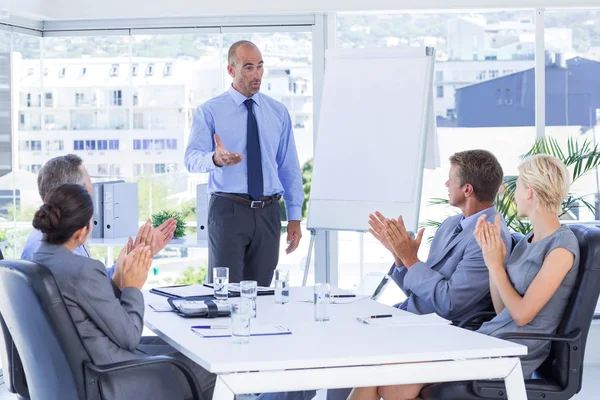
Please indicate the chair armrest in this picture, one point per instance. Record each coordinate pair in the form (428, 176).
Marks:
(475, 316)
(570, 337)
(99, 370)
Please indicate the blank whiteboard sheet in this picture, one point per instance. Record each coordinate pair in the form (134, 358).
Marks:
(374, 122)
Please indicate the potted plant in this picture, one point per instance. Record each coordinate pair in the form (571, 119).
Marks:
(159, 218)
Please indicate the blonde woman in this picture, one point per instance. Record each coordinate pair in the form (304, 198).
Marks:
(531, 292)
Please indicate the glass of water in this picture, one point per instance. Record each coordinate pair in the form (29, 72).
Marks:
(240, 321)
(221, 283)
(321, 301)
(248, 290)
(282, 286)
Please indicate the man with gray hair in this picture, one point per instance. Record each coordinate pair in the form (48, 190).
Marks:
(69, 169)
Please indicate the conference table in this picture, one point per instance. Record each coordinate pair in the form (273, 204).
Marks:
(339, 353)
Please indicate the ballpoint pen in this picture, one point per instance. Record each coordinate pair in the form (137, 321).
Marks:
(341, 296)
(379, 316)
(210, 327)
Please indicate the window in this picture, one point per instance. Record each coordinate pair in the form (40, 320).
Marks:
(171, 168)
(22, 119)
(113, 144)
(481, 76)
(159, 168)
(493, 73)
(28, 102)
(55, 145)
(439, 76)
(440, 92)
(30, 71)
(102, 144)
(102, 169)
(136, 99)
(134, 70)
(137, 144)
(34, 168)
(159, 144)
(168, 69)
(78, 145)
(508, 98)
(62, 72)
(138, 120)
(90, 145)
(83, 71)
(146, 144)
(31, 145)
(48, 100)
(49, 119)
(45, 71)
(114, 70)
(150, 70)
(115, 170)
(116, 97)
(78, 99)
(172, 144)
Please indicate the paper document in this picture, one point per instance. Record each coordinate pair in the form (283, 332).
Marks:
(160, 307)
(255, 330)
(408, 319)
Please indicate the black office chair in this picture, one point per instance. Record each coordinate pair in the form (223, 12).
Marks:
(560, 376)
(54, 359)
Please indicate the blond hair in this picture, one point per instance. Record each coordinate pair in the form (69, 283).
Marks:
(549, 179)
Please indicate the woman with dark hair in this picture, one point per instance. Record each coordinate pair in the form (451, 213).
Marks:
(108, 314)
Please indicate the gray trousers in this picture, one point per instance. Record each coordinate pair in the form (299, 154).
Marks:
(244, 239)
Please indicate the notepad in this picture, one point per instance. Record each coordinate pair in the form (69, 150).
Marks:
(407, 319)
(255, 330)
(184, 291)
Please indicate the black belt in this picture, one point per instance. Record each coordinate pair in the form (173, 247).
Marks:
(250, 203)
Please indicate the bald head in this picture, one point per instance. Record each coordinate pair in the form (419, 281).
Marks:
(232, 56)
(245, 66)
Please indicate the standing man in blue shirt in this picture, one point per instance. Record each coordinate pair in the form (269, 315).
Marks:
(244, 140)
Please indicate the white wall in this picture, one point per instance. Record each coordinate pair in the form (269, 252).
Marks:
(77, 9)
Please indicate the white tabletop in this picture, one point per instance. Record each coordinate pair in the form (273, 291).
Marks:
(340, 342)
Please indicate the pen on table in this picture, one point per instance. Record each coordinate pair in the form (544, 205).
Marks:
(210, 327)
(341, 296)
(379, 316)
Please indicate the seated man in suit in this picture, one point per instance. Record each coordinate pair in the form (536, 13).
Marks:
(70, 169)
(453, 282)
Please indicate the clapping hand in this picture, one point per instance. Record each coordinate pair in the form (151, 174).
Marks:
(489, 238)
(403, 246)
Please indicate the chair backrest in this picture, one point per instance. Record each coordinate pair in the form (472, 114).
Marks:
(580, 310)
(37, 318)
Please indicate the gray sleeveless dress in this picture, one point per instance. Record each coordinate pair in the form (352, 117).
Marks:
(522, 267)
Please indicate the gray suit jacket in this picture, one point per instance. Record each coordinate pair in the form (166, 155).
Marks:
(454, 281)
(110, 323)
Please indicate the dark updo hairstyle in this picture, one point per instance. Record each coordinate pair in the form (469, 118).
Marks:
(66, 209)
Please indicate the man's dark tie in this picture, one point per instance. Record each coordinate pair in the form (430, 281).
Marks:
(457, 230)
(253, 157)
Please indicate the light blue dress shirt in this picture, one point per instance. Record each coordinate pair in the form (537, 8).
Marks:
(227, 116)
(34, 241)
